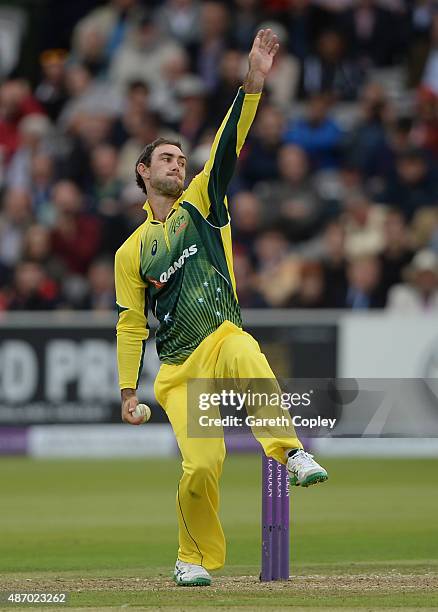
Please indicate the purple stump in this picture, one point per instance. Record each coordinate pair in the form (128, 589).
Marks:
(285, 539)
(267, 496)
(275, 521)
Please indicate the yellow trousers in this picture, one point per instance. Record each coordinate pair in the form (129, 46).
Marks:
(228, 352)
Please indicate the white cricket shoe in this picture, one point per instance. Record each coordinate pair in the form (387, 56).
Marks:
(189, 574)
(303, 470)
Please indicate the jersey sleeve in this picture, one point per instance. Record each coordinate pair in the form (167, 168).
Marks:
(132, 328)
(208, 189)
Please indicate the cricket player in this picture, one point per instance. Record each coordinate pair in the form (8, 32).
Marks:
(179, 263)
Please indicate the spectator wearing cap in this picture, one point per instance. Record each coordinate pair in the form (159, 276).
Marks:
(50, 91)
(420, 291)
(414, 185)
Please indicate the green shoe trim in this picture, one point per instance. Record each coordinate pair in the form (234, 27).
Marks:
(293, 481)
(196, 582)
(314, 479)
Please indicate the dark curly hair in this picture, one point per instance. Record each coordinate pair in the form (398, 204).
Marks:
(146, 155)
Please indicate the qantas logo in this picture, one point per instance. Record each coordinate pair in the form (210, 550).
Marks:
(178, 263)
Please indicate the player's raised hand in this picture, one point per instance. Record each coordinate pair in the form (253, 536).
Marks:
(263, 51)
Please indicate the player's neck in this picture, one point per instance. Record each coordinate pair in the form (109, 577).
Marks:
(161, 205)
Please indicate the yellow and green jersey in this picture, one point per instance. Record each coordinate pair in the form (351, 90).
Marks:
(182, 268)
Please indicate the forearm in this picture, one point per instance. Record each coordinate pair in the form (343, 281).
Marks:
(254, 81)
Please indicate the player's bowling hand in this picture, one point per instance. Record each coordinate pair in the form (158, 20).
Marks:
(128, 406)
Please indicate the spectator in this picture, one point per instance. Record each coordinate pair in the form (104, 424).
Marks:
(32, 288)
(311, 287)
(37, 249)
(425, 132)
(231, 73)
(112, 22)
(430, 74)
(293, 198)
(420, 291)
(247, 293)
(34, 132)
(75, 235)
(208, 52)
(368, 148)
(16, 101)
(277, 272)
(246, 17)
(192, 95)
(261, 160)
(364, 290)
(318, 134)
(330, 70)
(100, 294)
(41, 181)
(180, 20)
(145, 40)
(334, 265)
(106, 188)
(397, 252)
(51, 92)
(247, 219)
(282, 81)
(364, 225)
(374, 33)
(136, 103)
(15, 217)
(414, 184)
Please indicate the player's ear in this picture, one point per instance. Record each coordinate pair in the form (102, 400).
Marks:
(143, 170)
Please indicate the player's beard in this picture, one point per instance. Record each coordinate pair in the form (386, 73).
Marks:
(167, 186)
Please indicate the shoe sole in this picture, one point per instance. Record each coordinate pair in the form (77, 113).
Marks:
(310, 480)
(196, 582)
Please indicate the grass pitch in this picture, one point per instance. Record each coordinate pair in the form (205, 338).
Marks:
(105, 532)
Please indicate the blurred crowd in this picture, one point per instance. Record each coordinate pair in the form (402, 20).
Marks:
(335, 199)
